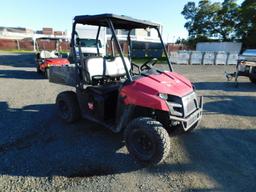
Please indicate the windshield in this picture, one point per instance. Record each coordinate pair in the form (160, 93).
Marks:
(142, 52)
(89, 43)
(249, 52)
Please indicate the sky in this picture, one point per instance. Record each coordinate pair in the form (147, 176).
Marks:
(58, 14)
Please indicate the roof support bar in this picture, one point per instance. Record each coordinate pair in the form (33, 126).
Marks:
(119, 48)
(78, 69)
(97, 41)
(165, 51)
(129, 45)
(112, 46)
(72, 44)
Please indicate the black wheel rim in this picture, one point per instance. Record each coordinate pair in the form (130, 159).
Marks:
(143, 144)
(64, 110)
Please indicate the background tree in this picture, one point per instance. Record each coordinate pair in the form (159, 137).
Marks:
(246, 28)
(189, 12)
(205, 19)
(227, 20)
(211, 21)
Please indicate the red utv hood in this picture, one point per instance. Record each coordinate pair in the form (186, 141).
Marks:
(167, 82)
(144, 91)
(56, 61)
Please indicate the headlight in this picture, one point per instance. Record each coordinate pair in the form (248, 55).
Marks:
(163, 96)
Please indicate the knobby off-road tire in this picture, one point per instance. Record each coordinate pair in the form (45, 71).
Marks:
(68, 107)
(147, 141)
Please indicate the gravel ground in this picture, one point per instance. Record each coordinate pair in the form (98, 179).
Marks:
(39, 152)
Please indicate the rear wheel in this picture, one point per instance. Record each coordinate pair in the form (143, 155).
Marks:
(68, 107)
(38, 70)
(147, 141)
(46, 73)
(252, 76)
(253, 79)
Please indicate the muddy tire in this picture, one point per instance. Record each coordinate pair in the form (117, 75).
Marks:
(147, 141)
(68, 107)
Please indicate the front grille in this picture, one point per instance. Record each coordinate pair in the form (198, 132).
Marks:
(189, 104)
(175, 105)
(182, 106)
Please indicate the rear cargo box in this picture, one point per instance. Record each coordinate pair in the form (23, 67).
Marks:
(64, 75)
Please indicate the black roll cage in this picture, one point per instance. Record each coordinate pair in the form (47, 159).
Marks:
(114, 22)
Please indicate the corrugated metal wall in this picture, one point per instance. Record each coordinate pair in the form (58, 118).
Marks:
(203, 58)
(219, 46)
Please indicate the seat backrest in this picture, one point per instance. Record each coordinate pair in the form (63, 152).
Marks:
(54, 54)
(45, 54)
(113, 68)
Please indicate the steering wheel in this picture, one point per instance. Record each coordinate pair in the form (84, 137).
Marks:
(148, 64)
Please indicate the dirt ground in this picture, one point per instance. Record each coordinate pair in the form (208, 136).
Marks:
(39, 152)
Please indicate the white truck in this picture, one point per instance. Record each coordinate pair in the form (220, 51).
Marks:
(246, 66)
(85, 37)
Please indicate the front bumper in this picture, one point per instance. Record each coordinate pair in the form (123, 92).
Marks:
(192, 119)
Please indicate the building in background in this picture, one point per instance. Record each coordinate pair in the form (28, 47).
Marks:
(25, 39)
(16, 33)
(144, 42)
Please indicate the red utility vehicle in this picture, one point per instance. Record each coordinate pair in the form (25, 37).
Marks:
(45, 59)
(145, 102)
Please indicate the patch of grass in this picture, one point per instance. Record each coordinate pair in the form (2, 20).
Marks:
(64, 52)
(16, 51)
(25, 51)
(161, 60)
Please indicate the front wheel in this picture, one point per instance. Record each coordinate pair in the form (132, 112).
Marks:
(147, 141)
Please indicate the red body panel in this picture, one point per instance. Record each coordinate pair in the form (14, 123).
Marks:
(53, 62)
(144, 91)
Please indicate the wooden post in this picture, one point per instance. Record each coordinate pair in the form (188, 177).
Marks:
(203, 55)
(215, 58)
(18, 44)
(228, 54)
